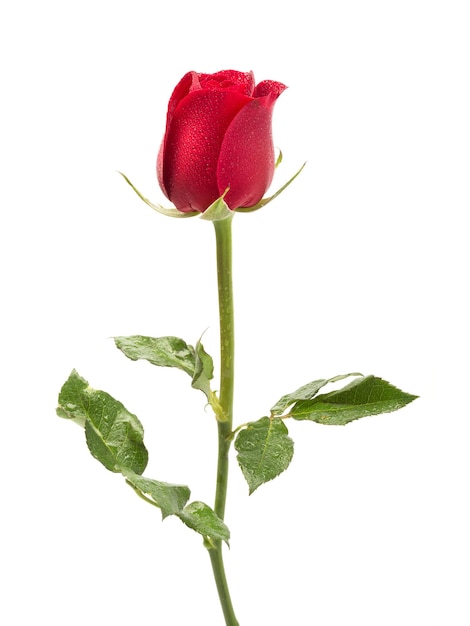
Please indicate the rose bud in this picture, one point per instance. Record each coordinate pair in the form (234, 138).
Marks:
(218, 136)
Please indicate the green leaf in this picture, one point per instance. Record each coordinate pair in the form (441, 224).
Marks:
(264, 450)
(362, 397)
(201, 518)
(203, 370)
(172, 352)
(306, 392)
(167, 497)
(71, 399)
(161, 351)
(113, 434)
(171, 499)
(170, 212)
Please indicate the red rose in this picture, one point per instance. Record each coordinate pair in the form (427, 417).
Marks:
(218, 135)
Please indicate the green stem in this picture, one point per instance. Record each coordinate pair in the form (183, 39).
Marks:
(223, 234)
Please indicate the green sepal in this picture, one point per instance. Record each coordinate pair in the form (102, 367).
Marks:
(265, 201)
(201, 518)
(218, 210)
(362, 397)
(114, 435)
(169, 498)
(264, 450)
(169, 212)
(306, 392)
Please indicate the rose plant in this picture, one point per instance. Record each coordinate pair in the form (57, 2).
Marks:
(216, 159)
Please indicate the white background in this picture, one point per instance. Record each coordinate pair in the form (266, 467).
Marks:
(359, 266)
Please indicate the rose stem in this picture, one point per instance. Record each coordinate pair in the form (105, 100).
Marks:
(223, 235)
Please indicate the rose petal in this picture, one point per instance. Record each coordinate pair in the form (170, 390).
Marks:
(188, 163)
(246, 161)
(231, 80)
(269, 88)
(179, 92)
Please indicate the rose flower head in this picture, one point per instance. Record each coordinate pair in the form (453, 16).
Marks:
(218, 136)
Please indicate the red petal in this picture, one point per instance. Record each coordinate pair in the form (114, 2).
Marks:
(269, 88)
(188, 162)
(246, 161)
(179, 92)
(232, 80)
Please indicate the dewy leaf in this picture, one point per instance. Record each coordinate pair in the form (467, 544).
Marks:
(172, 352)
(162, 351)
(201, 518)
(362, 397)
(203, 370)
(264, 450)
(171, 499)
(167, 497)
(113, 434)
(306, 392)
(71, 399)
